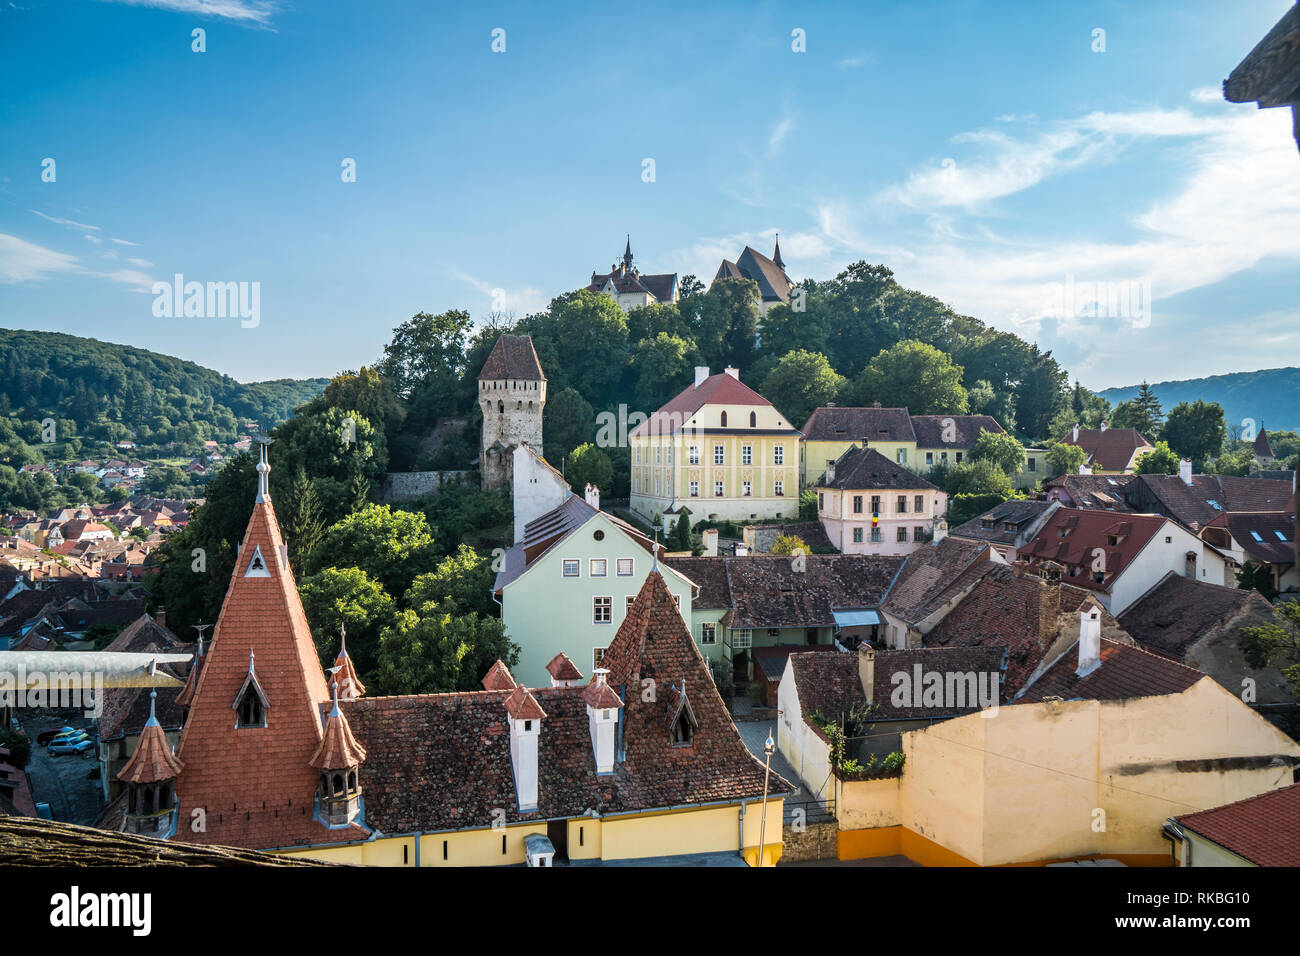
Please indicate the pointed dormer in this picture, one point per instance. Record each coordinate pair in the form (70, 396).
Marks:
(564, 673)
(338, 760)
(525, 718)
(343, 675)
(151, 804)
(255, 720)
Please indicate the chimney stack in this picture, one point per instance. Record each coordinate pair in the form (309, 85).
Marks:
(1185, 471)
(733, 372)
(710, 538)
(1085, 469)
(1076, 433)
(940, 528)
(592, 495)
(741, 550)
(160, 616)
(525, 719)
(1105, 425)
(830, 472)
(701, 373)
(603, 705)
(867, 670)
(1089, 641)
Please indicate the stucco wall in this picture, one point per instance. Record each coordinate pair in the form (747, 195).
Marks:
(399, 486)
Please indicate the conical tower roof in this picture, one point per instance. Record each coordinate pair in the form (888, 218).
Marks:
(153, 759)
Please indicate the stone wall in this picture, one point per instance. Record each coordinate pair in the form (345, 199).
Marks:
(402, 486)
(810, 841)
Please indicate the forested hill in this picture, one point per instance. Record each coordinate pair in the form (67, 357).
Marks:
(1271, 395)
(118, 391)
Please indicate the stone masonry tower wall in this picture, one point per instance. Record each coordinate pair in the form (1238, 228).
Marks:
(512, 396)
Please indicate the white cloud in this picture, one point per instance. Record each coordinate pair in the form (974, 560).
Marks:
(135, 281)
(22, 261)
(95, 239)
(142, 263)
(70, 223)
(854, 62)
(123, 242)
(1208, 94)
(252, 12)
(519, 301)
(779, 132)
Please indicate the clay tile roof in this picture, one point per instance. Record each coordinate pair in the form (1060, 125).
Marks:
(1004, 523)
(717, 389)
(930, 430)
(521, 705)
(600, 696)
(1111, 449)
(562, 668)
(933, 575)
(338, 749)
(837, 423)
(1267, 536)
(710, 574)
(769, 591)
(498, 678)
(512, 357)
(869, 470)
(1262, 447)
(1088, 530)
(1264, 829)
(1126, 672)
(153, 759)
(345, 675)
(1174, 614)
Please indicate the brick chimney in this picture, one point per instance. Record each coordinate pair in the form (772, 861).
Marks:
(1049, 609)
(867, 670)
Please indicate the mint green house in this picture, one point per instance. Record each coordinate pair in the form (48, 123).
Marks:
(567, 583)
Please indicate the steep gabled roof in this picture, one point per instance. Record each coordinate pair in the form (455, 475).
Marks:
(1261, 446)
(773, 284)
(718, 389)
(1209, 496)
(562, 667)
(934, 575)
(1264, 829)
(1098, 492)
(1086, 533)
(837, 423)
(963, 432)
(868, 470)
(512, 357)
(1108, 448)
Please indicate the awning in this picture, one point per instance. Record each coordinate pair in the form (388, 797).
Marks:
(855, 618)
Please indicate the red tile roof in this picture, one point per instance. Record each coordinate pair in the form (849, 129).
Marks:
(1111, 448)
(1264, 829)
(338, 749)
(718, 389)
(522, 705)
(1088, 532)
(512, 357)
(498, 678)
(1174, 614)
(562, 668)
(845, 423)
(153, 759)
(1126, 671)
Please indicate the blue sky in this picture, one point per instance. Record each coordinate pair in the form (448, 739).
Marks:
(983, 151)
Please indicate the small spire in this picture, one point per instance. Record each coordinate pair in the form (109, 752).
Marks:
(153, 716)
(776, 256)
(627, 253)
(336, 712)
(654, 564)
(263, 469)
(250, 661)
(343, 640)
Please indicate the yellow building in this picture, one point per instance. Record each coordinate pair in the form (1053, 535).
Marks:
(717, 450)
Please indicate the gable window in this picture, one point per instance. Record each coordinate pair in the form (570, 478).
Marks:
(719, 455)
(694, 455)
(708, 633)
(723, 419)
(257, 565)
(857, 535)
(682, 730)
(572, 568)
(746, 454)
(601, 610)
(778, 455)
(598, 567)
(250, 712)
(624, 567)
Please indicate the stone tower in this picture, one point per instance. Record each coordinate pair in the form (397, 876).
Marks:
(512, 394)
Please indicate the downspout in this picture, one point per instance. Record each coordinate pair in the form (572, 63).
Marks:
(417, 849)
(740, 830)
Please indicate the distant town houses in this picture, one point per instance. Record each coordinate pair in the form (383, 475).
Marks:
(1109, 451)
(630, 288)
(867, 504)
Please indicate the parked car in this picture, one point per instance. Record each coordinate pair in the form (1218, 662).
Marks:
(75, 747)
(47, 736)
(70, 738)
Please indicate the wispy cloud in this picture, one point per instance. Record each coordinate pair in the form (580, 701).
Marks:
(142, 263)
(779, 132)
(70, 223)
(22, 261)
(95, 239)
(520, 301)
(854, 62)
(249, 12)
(133, 280)
(123, 242)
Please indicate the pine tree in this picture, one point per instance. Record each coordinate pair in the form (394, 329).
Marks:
(303, 524)
(682, 533)
(1151, 414)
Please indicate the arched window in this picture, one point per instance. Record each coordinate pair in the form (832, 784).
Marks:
(250, 710)
(724, 419)
(753, 419)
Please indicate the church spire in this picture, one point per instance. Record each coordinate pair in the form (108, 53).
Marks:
(776, 256)
(263, 469)
(627, 254)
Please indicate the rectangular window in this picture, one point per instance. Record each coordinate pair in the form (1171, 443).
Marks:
(902, 504)
(821, 501)
(598, 567)
(627, 603)
(778, 455)
(597, 655)
(719, 455)
(959, 458)
(902, 533)
(875, 504)
(857, 504)
(919, 503)
(929, 458)
(695, 489)
(602, 610)
(746, 454)
(943, 456)
(918, 533)
(572, 568)
(1033, 464)
(670, 454)
(742, 638)
(694, 457)
(780, 488)
(857, 535)
(717, 489)
(657, 454)
(708, 633)
(875, 536)
(902, 456)
(747, 488)
(624, 567)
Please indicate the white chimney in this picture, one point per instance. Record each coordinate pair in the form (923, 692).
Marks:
(867, 670)
(733, 372)
(602, 718)
(710, 537)
(701, 373)
(1105, 425)
(1076, 432)
(1185, 470)
(940, 528)
(592, 495)
(741, 550)
(830, 473)
(524, 716)
(1085, 469)
(1089, 641)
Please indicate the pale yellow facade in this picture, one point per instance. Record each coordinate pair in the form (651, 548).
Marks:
(816, 455)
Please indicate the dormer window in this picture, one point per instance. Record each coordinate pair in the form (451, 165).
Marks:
(251, 702)
(682, 732)
(257, 565)
(681, 717)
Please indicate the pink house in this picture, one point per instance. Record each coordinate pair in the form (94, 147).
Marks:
(871, 505)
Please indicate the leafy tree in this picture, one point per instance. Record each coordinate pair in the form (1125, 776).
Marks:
(1196, 430)
(587, 336)
(1065, 459)
(438, 651)
(461, 582)
(913, 375)
(346, 597)
(801, 382)
(339, 450)
(1235, 462)
(856, 317)
(426, 354)
(808, 505)
(567, 422)
(389, 544)
(461, 511)
(787, 544)
(1160, 461)
(1001, 406)
(982, 477)
(1257, 577)
(366, 392)
(1276, 645)
(1001, 449)
(588, 465)
(663, 365)
(724, 322)
(1142, 412)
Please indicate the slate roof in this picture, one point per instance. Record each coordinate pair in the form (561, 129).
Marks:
(966, 430)
(1097, 492)
(1111, 448)
(773, 284)
(1126, 672)
(933, 575)
(512, 357)
(442, 761)
(836, 423)
(1087, 531)
(718, 389)
(869, 470)
(766, 591)
(1173, 615)
(831, 685)
(1004, 523)
(1264, 829)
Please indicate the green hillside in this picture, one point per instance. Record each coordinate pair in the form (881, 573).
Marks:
(1270, 396)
